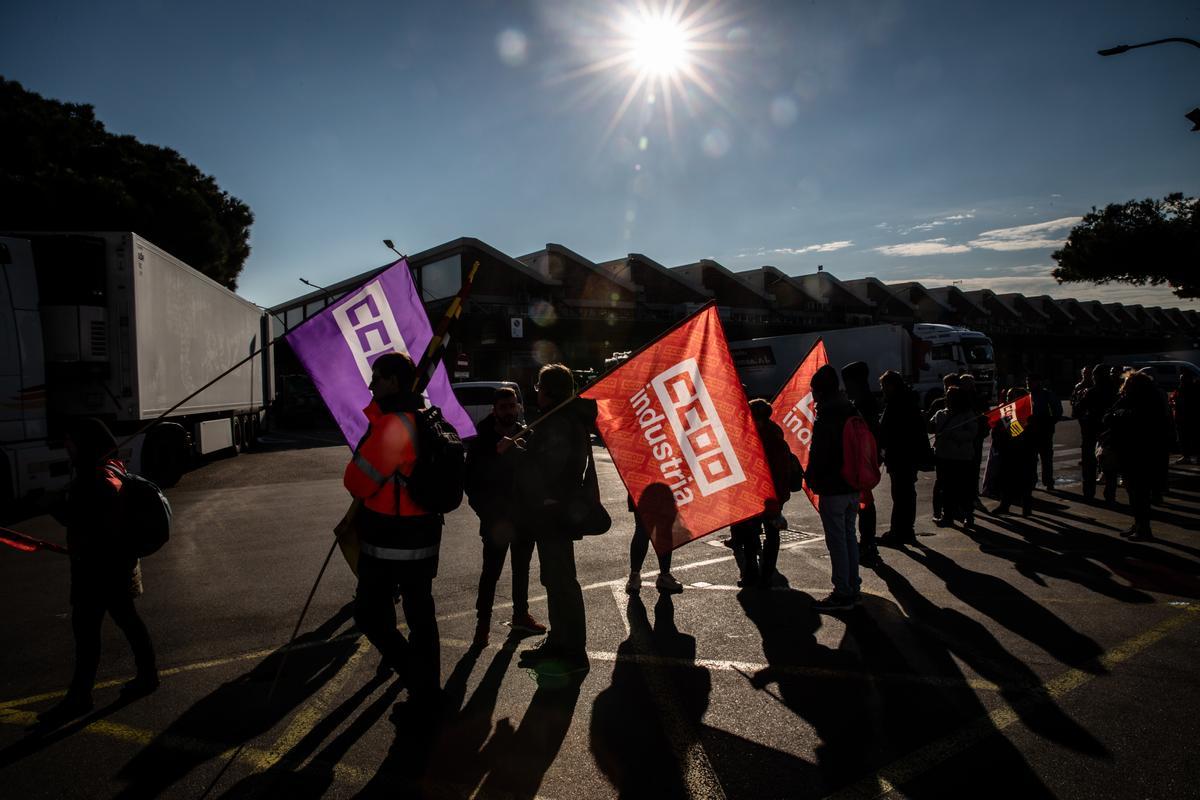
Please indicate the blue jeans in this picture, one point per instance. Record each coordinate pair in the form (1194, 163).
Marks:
(838, 512)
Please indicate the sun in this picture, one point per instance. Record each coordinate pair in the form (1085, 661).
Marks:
(658, 45)
(652, 55)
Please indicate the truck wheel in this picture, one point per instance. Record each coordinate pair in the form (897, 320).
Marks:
(238, 428)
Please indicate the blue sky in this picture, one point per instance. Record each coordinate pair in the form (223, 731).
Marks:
(935, 141)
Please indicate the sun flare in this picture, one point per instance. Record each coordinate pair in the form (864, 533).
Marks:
(658, 45)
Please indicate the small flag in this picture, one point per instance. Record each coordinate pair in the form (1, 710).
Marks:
(793, 410)
(678, 427)
(338, 345)
(1017, 414)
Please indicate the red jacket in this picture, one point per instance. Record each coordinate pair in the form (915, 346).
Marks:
(388, 449)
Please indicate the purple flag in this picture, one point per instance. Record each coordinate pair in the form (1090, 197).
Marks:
(338, 346)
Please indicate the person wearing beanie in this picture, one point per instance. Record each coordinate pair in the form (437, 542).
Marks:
(838, 501)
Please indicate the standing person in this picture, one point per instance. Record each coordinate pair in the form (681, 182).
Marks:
(1047, 411)
(1017, 461)
(1077, 393)
(1098, 400)
(838, 504)
(854, 378)
(758, 559)
(550, 474)
(639, 545)
(1089, 405)
(400, 540)
(1136, 425)
(1185, 407)
(105, 577)
(948, 382)
(979, 404)
(490, 492)
(954, 430)
(903, 444)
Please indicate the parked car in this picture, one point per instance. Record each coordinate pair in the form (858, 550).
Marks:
(1166, 373)
(476, 397)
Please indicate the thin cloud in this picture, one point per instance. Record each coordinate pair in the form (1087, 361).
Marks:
(1031, 286)
(929, 247)
(1026, 237)
(826, 247)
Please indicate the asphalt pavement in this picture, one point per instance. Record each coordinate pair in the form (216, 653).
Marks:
(1030, 657)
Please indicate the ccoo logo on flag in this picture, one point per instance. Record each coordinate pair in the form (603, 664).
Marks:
(707, 458)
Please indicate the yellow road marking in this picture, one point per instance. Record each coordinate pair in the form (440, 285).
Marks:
(908, 767)
(163, 673)
(311, 712)
(142, 737)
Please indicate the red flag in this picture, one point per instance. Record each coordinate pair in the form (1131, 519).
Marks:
(1017, 412)
(792, 408)
(678, 427)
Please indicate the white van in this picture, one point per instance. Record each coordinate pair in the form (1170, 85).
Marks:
(477, 397)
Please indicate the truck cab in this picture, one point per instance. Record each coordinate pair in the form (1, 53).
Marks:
(952, 349)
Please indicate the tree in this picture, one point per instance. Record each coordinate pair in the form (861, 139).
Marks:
(60, 170)
(1139, 242)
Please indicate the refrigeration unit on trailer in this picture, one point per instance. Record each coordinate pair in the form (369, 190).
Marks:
(108, 325)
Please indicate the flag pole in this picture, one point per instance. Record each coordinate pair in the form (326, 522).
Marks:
(425, 370)
(616, 367)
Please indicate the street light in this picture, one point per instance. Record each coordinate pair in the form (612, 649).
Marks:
(1192, 116)
(1125, 48)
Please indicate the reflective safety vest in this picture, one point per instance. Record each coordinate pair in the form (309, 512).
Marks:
(386, 452)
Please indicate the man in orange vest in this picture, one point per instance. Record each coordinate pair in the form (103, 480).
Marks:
(399, 539)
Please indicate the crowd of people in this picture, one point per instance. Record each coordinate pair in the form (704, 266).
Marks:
(525, 486)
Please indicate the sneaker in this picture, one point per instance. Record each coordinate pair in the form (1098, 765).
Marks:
(833, 602)
(527, 624)
(667, 584)
(1141, 536)
(482, 634)
(634, 584)
(538, 654)
(869, 556)
(565, 665)
(140, 686)
(896, 540)
(945, 521)
(67, 709)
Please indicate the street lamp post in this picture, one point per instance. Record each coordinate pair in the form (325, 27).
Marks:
(1192, 116)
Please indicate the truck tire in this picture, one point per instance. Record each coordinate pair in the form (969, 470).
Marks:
(165, 454)
(238, 434)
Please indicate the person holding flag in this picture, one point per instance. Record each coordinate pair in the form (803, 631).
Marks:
(838, 504)
(399, 539)
(550, 475)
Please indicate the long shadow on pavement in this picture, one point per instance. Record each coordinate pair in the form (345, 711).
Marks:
(1012, 609)
(647, 725)
(1145, 565)
(238, 711)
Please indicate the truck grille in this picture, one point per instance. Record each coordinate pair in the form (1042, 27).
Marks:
(98, 340)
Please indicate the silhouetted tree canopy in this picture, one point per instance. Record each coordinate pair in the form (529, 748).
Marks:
(1139, 242)
(60, 170)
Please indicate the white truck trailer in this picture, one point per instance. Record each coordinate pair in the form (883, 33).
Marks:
(110, 326)
(922, 355)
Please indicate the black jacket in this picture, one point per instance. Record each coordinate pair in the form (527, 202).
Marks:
(902, 437)
(824, 472)
(550, 470)
(490, 485)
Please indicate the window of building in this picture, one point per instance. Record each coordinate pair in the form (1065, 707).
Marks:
(441, 278)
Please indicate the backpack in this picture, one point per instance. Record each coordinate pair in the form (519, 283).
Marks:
(436, 482)
(144, 513)
(860, 456)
